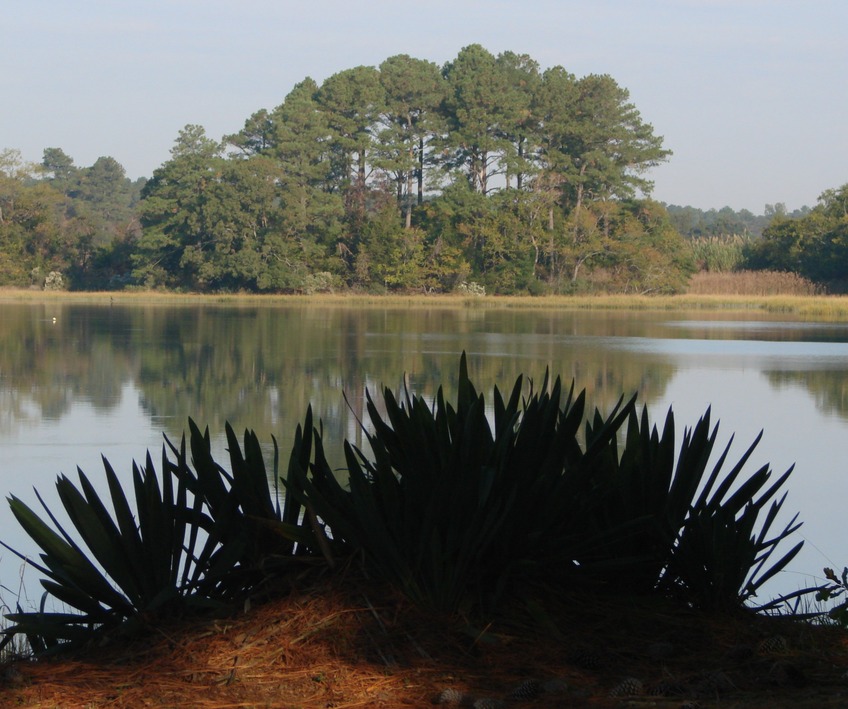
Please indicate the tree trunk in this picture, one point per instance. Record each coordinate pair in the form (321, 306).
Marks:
(359, 194)
(406, 202)
(407, 207)
(579, 203)
(360, 169)
(420, 171)
(519, 178)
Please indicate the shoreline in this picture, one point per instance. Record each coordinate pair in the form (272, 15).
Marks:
(814, 307)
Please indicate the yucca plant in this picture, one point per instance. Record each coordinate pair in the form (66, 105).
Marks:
(643, 495)
(719, 559)
(456, 504)
(456, 509)
(452, 508)
(555, 486)
(634, 514)
(138, 563)
(245, 502)
(189, 540)
(662, 525)
(429, 469)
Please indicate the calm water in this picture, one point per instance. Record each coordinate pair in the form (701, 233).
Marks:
(111, 380)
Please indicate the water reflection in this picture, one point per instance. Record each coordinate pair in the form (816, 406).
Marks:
(828, 387)
(112, 379)
(763, 354)
(771, 330)
(261, 366)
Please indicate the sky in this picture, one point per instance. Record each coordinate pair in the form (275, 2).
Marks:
(750, 95)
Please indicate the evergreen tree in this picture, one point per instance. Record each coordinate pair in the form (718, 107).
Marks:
(521, 131)
(178, 220)
(329, 188)
(413, 92)
(352, 101)
(256, 137)
(58, 167)
(309, 237)
(480, 101)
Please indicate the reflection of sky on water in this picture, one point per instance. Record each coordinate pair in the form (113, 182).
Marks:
(754, 326)
(740, 353)
(770, 354)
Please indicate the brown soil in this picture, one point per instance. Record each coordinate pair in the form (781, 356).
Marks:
(346, 643)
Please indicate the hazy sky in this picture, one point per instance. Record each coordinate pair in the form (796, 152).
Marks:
(751, 95)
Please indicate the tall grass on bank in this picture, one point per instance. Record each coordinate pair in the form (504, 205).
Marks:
(719, 254)
(16, 646)
(725, 295)
(751, 283)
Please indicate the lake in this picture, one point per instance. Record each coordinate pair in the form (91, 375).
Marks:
(78, 381)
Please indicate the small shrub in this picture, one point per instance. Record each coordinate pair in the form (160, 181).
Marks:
(320, 282)
(471, 288)
(834, 591)
(54, 281)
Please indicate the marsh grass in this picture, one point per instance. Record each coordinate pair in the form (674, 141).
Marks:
(719, 293)
(752, 283)
(13, 646)
(723, 253)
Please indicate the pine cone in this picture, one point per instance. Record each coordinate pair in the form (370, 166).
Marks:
(627, 688)
(488, 703)
(590, 659)
(776, 644)
(667, 689)
(454, 697)
(528, 689)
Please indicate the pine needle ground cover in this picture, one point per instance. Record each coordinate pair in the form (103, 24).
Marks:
(349, 643)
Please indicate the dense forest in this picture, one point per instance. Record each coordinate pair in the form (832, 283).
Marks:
(487, 174)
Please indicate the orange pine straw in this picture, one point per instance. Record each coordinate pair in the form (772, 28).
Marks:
(349, 644)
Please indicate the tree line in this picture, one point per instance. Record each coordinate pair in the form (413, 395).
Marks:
(487, 173)
(56, 218)
(814, 245)
(694, 223)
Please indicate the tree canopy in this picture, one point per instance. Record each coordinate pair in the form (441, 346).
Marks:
(403, 176)
(814, 245)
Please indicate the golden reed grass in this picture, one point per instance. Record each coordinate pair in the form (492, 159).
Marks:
(755, 283)
(765, 292)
